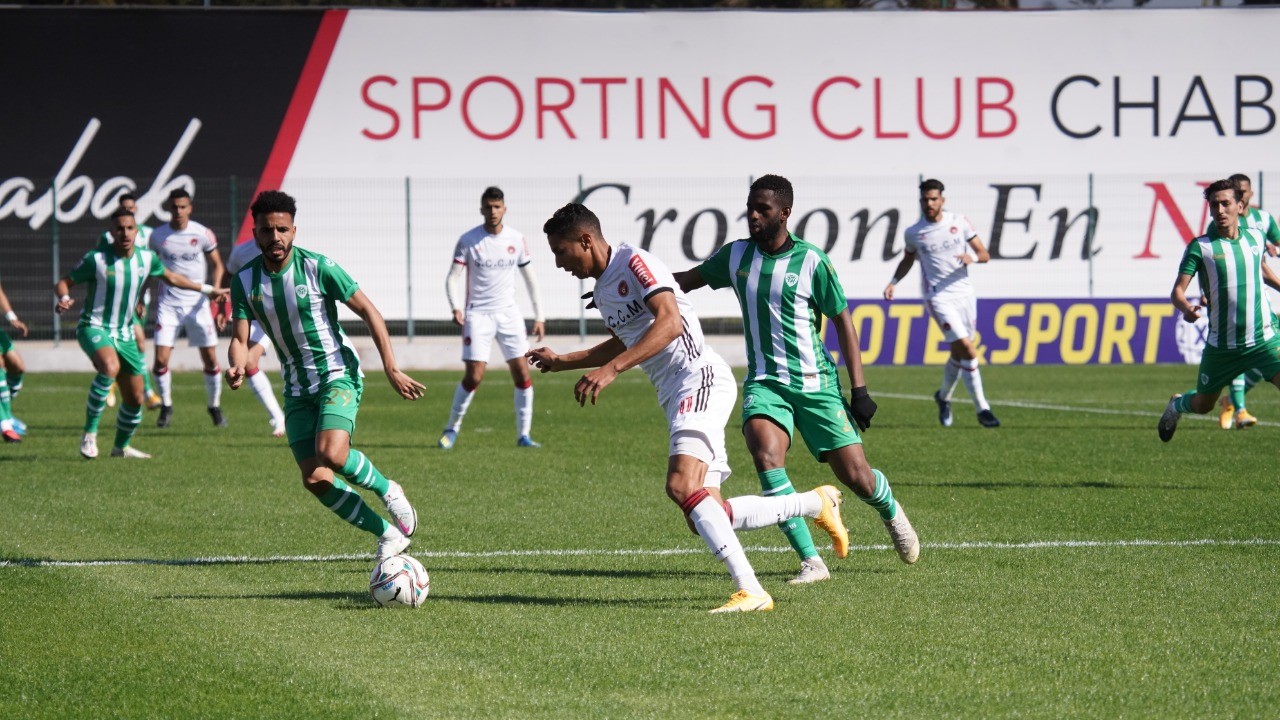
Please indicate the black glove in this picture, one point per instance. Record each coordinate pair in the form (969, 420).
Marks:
(590, 297)
(861, 407)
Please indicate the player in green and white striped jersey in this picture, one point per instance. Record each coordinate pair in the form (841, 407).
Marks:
(293, 294)
(1243, 335)
(785, 287)
(11, 371)
(1234, 413)
(129, 201)
(115, 277)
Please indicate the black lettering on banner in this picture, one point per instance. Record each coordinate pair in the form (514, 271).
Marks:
(1182, 111)
(833, 228)
(997, 224)
(1053, 107)
(1260, 104)
(651, 223)
(1153, 105)
(686, 238)
(1064, 225)
(863, 228)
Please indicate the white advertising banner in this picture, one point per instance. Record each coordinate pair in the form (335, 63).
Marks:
(1076, 142)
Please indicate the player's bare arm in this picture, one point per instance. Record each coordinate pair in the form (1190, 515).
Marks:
(10, 315)
(1269, 277)
(216, 294)
(62, 293)
(1190, 312)
(237, 353)
(904, 267)
(690, 280)
(861, 406)
(665, 328)
(979, 250)
(407, 387)
(547, 360)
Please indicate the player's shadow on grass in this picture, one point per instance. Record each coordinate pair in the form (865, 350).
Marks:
(511, 599)
(355, 599)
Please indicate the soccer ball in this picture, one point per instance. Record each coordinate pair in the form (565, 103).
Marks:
(399, 582)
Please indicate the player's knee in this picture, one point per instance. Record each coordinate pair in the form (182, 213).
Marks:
(317, 483)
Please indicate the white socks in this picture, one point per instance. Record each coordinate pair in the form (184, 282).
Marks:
(950, 376)
(261, 386)
(752, 512)
(972, 377)
(461, 401)
(165, 382)
(713, 526)
(213, 387)
(523, 399)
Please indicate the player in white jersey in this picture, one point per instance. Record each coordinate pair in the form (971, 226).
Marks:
(488, 256)
(654, 326)
(942, 241)
(185, 246)
(129, 201)
(259, 342)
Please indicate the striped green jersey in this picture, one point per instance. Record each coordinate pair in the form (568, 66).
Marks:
(1230, 274)
(114, 284)
(784, 298)
(298, 308)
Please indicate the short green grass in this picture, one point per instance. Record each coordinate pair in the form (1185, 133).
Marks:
(514, 630)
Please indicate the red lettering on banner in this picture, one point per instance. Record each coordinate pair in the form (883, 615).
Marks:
(639, 108)
(395, 118)
(955, 125)
(641, 271)
(418, 107)
(665, 88)
(558, 109)
(770, 110)
(466, 107)
(817, 117)
(879, 108)
(1164, 198)
(604, 84)
(1001, 106)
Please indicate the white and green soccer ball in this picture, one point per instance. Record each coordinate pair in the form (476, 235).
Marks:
(399, 582)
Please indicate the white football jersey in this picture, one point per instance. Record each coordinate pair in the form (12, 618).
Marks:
(631, 277)
(182, 252)
(241, 254)
(937, 247)
(491, 262)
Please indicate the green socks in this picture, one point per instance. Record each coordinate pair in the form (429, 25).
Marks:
(359, 470)
(4, 400)
(1183, 404)
(126, 423)
(882, 497)
(775, 482)
(97, 402)
(1237, 392)
(348, 505)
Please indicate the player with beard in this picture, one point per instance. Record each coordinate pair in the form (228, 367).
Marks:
(785, 287)
(654, 326)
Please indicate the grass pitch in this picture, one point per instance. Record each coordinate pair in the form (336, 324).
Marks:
(1073, 565)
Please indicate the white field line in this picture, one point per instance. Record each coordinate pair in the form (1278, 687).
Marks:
(462, 554)
(1211, 416)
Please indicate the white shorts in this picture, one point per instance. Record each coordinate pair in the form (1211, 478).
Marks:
(196, 319)
(956, 315)
(259, 336)
(697, 413)
(480, 328)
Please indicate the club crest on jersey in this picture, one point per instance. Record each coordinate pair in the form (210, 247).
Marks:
(748, 401)
(954, 229)
(623, 290)
(641, 271)
(328, 262)
(300, 291)
(193, 242)
(791, 279)
(511, 249)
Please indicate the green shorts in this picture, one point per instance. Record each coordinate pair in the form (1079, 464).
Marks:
(334, 407)
(1219, 367)
(6, 342)
(820, 415)
(92, 338)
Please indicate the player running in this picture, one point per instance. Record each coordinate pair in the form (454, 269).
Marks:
(129, 201)
(942, 240)
(184, 246)
(1243, 335)
(488, 256)
(654, 326)
(1234, 414)
(11, 371)
(116, 277)
(293, 294)
(785, 286)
